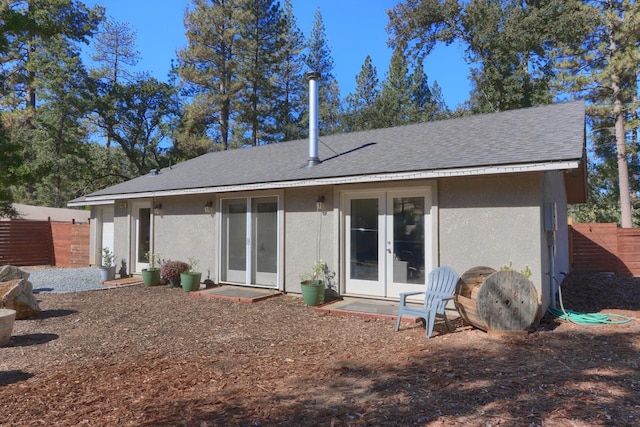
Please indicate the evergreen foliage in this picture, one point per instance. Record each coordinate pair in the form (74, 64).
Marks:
(318, 59)
(240, 82)
(603, 68)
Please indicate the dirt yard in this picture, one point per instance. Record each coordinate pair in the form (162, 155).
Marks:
(156, 356)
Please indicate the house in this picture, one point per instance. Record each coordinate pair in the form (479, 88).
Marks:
(381, 207)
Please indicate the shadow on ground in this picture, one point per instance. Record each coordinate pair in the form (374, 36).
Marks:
(31, 339)
(10, 377)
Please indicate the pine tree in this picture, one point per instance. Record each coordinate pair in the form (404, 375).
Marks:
(114, 51)
(10, 162)
(209, 66)
(59, 149)
(24, 23)
(603, 69)
(258, 48)
(395, 101)
(318, 59)
(360, 110)
(289, 77)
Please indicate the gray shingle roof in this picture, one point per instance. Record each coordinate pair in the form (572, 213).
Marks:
(542, 134)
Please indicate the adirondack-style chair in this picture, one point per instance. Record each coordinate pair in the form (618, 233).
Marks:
(441, 285)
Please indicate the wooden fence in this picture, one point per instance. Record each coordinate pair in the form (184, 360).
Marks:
(28, 243)
(605, 247)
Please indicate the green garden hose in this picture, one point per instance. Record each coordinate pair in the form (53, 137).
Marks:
(586, 319)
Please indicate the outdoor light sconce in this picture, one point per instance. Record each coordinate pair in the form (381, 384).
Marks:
(157, 208)
(320, 203)
(208, 207)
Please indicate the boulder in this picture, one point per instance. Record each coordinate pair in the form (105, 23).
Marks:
(9, 272)
(18, 295)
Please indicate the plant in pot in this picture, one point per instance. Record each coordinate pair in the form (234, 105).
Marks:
(108, 267)
(151, 275)
(190, 279)
(313, 283)
(171, 270)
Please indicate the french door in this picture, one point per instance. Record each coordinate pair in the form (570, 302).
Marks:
(141, 212)
(249, 241)
(388, 242)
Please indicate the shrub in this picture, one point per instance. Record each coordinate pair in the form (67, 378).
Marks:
(170, 270)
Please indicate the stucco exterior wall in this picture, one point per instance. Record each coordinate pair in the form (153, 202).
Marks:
(491, 221)
(121, 234)
(184, 230)
(308, 234)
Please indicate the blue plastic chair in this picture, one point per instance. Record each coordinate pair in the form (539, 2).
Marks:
(441, 286)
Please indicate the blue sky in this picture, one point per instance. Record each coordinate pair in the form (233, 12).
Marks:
(354, 29)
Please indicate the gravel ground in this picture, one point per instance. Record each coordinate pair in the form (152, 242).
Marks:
(62, 280)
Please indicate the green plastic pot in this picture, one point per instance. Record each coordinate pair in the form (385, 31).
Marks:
(190, 281)
(312, 292)
(151, 276)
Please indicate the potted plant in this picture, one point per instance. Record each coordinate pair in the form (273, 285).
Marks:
(190, 279)
(171, 270)
(108, 266)
(151, 275)
(312, 284)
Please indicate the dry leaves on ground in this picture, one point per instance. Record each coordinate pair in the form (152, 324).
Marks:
(142, 356)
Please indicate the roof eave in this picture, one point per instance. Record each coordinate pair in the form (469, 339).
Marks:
(353, 179)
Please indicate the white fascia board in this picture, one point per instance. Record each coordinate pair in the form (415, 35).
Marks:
(92, 202)
(357, 179)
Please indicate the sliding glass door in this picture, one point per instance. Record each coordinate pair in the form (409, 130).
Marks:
(249, 245)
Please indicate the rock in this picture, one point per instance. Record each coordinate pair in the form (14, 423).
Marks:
(9, 272)
(18, 295)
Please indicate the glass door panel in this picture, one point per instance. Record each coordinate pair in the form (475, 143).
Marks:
(365, 241)
(264, 240)
(406, 254)
(234, 240)
(144, 234)
(141, 235)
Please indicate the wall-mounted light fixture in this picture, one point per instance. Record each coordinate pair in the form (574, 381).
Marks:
(320, 203)
(208, 207)
(157, 208)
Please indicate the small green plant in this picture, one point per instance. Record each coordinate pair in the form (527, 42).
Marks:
(151, 257)
(193, 264)
(317, 274)
(107, 258)
(526, 272)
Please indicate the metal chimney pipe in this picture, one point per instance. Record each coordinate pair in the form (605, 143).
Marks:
(313, 78)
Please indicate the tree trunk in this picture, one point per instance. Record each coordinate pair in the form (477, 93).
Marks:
(621, 150)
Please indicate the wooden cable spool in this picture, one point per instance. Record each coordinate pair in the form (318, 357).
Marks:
(496, 300)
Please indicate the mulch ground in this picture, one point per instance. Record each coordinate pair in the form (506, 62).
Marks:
(138, 356)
